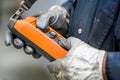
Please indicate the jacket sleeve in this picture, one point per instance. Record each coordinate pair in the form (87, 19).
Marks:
(113, 66)
(113, 58)
(117, 30)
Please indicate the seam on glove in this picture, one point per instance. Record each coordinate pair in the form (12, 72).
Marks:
(104, 67)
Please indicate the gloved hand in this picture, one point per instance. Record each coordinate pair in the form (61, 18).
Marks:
(10, 38)
(18, 43)
(56, 17)
(82, 62)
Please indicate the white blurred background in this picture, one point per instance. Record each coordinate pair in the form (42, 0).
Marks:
(14, 63)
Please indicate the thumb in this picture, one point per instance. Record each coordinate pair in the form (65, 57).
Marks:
(43, 21)
(69, 42)
(38, 14)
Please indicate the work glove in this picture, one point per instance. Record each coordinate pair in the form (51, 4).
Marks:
(56, 17)
(82, 62)
(10, 38)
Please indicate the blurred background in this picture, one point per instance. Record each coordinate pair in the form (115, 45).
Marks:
(14, 63)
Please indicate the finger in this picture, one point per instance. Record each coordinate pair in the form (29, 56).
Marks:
(64, 43)
(70, 42)
(54, 67)
(8, 38)
(43, 21)
(60, 69)
(38, 14)
(74, 41)
(62, 76)
(18, 43)
(36, 55)
(28, 50)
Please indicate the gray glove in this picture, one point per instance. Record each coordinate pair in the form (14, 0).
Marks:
(18, 43)
(56, 17)
(82, 62)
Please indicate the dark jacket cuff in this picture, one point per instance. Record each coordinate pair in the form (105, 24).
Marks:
(113, 66)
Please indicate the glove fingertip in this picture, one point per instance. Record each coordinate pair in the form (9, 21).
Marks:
(7, 43)
(42, 22)
(18, 43)
(8, 38)
(50, 67)
(55, 66)
(36, 55)
(28, 50)
(64, 43)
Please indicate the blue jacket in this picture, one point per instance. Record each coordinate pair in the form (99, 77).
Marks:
(97, 22)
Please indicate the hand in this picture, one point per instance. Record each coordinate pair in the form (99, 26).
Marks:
(82, 62)
(56, 17)
(18, 43)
